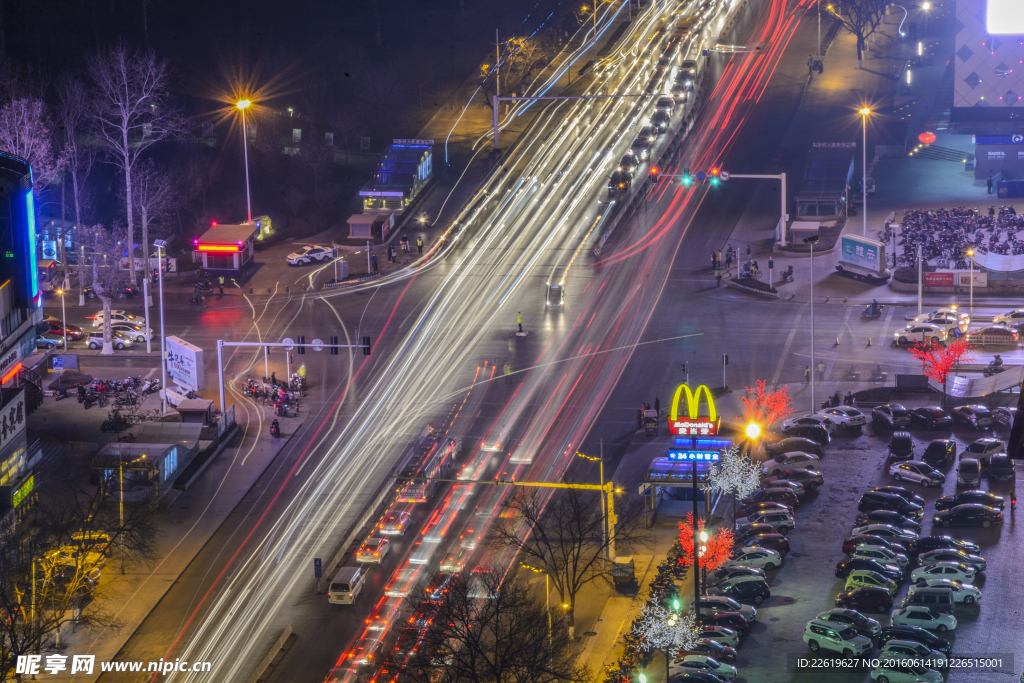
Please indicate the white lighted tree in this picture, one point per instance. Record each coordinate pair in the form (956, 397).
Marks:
(735, 474)
(669, 632)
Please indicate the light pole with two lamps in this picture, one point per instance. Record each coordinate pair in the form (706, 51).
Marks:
(970, 255)
(811, 240)
(242, 106)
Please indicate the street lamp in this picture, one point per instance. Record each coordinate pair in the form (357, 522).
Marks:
(970, 255)
(752, 430)
(161, 245)
(608, 556)
(120, 467)
(811, 240)
(64, 314)
(703, 549)
(864, 113)
(547, 592)
(242, 105)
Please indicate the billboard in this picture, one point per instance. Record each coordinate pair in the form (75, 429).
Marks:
(185, 364)
(693, 424)
(950, 278)
(1004, 17)
(863, 253)
(988, 83)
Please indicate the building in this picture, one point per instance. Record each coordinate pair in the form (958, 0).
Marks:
(150, 466)
(226, 249)
(405, 168)
(827, 176)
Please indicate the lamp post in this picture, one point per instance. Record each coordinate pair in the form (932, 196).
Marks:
(696, 552)
(604, 511)
(120, 502)
(819, 30)
(81, 279)
(64, 314)
(864, 113)
(547, 592)
(242, 105)
(160, 246)
(811, 240)
(703, 549)
(970, 255)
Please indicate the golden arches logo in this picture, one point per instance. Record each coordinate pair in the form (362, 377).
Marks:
(692, 402)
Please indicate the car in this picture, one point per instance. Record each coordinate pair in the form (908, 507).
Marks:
(725, 573)
(866, 577)
(764, 506)
(913, 650)
(822, 635)
(940, 453)
(790, 461)
(750, 531)
(647, 134)
(982, 450)
(733, 620)
(794, 443)
(666, 104)
(721, 634)
(920, 472)
(880, 555)
(719, 604)
(118, 293)
(889, 531)
(975, 496)
(902, 671)
(962, 592)
(752, 556)
(871, 541)
(925, 618)
(991, 336)
(931, 417)
(58, 328)
(901, 446)
(866, 599)
(846, 417)
(395, 523)
(782, 521)
(137, 333)
(45, 341)
(844, 567)
(619, 183)
(1001, 468)
(943, 570)
(920, 332)
(629, 163)
(890, 414)
(744, 590)
(776, 542)
(778, 494)
(308, 254)
(1004, 415)
(815, 433)
(687, 72)
(889, 517)
(660, 121)
(119, 340)
(863, 625)
(901, 491)
(926, 543)
(439, 586)
(640, 148)
(373, 550)
(809, 479)
(879, 500)
(706, 664)
(118, 316)
(968, 515)
(796, 487)
(974, 416)
(707, 646)
(946, 316)
(812, 419)
(968, 473)
(1014, 318)
(952, 555)
(915, 634)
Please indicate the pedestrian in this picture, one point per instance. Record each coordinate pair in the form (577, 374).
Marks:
(807, 375)
(419, 244)
(221, 281)
(373, 262)
(714, 261)
(810, 64)
(639, 419)
(748, 252)
(519, 319)
(728, 258)
(657, 405)
(718, 278)
(821, 371)
(273, 379)
(989, 184)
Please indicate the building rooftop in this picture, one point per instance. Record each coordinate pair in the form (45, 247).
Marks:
(228, 234)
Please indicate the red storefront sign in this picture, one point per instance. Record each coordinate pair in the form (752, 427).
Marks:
(940, 279)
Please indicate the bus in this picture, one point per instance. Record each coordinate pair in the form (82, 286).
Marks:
(51, 274)
(430, 458)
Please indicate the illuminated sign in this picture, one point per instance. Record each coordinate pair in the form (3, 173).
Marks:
(1004, 17)
(693, 424)
(22, 492)
(694, 456)
(30, 209)
(218, 247)
(703, 443)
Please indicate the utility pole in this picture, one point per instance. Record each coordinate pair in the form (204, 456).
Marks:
(811, 240)
(696, 551)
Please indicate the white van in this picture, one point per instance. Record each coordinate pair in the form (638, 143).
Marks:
(346, 585)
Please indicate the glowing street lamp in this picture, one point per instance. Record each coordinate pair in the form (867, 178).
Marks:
(242, 105)
(970, 255)
(752, 430)
(864, 114)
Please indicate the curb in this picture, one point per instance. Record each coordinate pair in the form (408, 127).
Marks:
(768, 294)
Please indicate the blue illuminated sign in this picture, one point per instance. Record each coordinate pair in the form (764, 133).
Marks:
(694, 456)
(30, 210)
(703, 443)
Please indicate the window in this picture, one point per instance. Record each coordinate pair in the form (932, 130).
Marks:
(170, 463)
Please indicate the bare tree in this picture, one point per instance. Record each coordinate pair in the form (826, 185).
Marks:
(566, 537)
(346, 126)
(861, 18)
(102, 268)
(317, 157)
(154, 197)
(26, 130)
(72, 123)
(133, 111)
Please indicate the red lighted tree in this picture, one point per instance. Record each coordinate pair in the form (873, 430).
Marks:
(937, 361)
(766, 406)
(717, 549)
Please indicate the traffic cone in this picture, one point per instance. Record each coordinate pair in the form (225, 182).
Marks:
(869, 341)
(837, 341)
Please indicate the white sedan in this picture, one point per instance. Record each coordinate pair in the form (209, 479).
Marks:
(813, 420)
(790, 461)
(888, 531)
(706, 664)
(846, 417)
(943, 570)
(758, 558)
(962, 592)
(899, 670)
(308, 254)
(721, 634)
(925, 618)
(118, 316)
(880, 555)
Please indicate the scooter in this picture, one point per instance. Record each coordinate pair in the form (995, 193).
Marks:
(275, 430)
(993, 369)
(198, 300)
(873, 310)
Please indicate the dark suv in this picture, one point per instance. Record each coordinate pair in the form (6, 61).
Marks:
(901, 446)
(940, 453)
(1001, 469)
(878, 500)
(815, 433)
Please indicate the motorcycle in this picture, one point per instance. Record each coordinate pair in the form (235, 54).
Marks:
(873, 310)
(204, 287)
(993, 369)
(275, 430)
(198, 300)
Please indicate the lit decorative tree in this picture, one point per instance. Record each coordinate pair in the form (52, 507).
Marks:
(669, 632)
(716, 549)
(735, 474)
(937, 361)
(765, 407)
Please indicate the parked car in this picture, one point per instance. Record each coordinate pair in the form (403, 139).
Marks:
(901, 491)
(974, 416)
(974, 496)
(812, 419)
(725, 573)
(968, 473)
(940, 453)
(809, 479)
(119, 340)
(920, 332)
(1001, 468)
(925, 618)
(706, 664)
(890, 517)
(744, 590)
(866, 599)
(776, 542)
(306, 255)
(920, 472)
(881, 555)
(968, 515)
(902, 671)
(956, 571)
(721, 634)
(917, 635)
(846, 417)
(45, 341)
(866, 577)
(821, 635)
(952, 555)
(782, 521)
(863, 625)
(1004, 415)
(994, 335)
(717, 604)
(847, 567)
(752, 556)
(117, 316)
(910, 650)
(818, 434)
(790, 461)
(794, 443)
(707, 646)
(982, 450)
(732, 620)
(745, 510)
(776, 493)
(878, 500)
(926, 543)
(750, 531)
(894, 533)
(870, 540)
(962, 592)
(931, 417)
(901, 446)
(373, 550)
(890, 414)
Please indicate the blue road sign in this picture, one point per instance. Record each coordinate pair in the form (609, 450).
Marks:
(58, 363)
(701, 176)
(956, 332)
(317, 567)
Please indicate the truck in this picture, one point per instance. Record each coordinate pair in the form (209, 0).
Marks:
(862, 259)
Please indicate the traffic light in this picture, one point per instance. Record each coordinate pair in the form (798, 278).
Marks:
(302, 349)
(713, 176)
(366, 346)
(334, 346)
(687, 180)
(725, 359)
(654, 175)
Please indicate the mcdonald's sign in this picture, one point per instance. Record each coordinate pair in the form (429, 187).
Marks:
(693, 424)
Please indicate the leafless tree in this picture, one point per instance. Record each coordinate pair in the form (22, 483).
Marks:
(485, 630)
(565, 536)
(380, 92)
(73, 123)
(861, 18)
(102, 269)
(26, 130)
(154, 198)
(346, 126)
(317, 157)
(133, 111)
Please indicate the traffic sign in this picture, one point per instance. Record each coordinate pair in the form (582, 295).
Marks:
(956, 334)
(701, 176)
(724, 175)
(58, 363)
(289, 343)
(317, 567)
(318, 344)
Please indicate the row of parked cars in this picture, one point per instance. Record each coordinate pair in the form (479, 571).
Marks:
(938, 327)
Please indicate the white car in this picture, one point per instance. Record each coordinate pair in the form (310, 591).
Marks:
(721, 634)
(910, 649)
(962, 592)
(118, 316)
(889, 531)
(1014, 318)
(824, 635)
(925, 618)
(944, 316)
(920, 332)
(758, 558)
(308, 254)
(880, 555)
(846, 417)
(812, 420)
(795, 460)
(898, 670)
(916, 471)
(943, 570)
(137, 333)
(707, 664)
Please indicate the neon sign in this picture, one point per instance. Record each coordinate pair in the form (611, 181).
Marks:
(693, 424)
(218, 247)
(694, 456)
